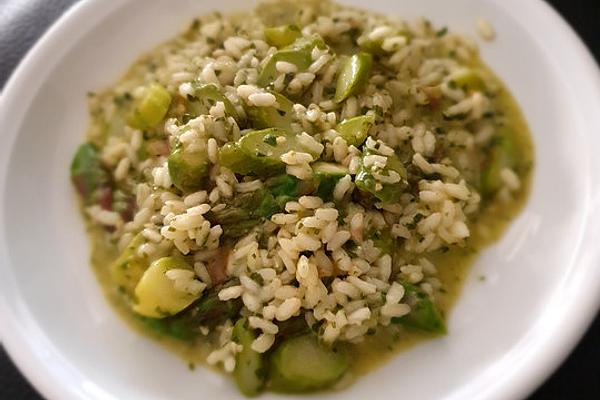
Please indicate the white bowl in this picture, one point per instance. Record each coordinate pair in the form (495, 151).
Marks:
(506, 334)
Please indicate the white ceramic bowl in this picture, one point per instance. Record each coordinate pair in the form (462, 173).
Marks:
(506, 334)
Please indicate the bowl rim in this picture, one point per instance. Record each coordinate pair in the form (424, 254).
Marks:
(545, 355)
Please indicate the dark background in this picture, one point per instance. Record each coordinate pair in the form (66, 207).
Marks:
(23, 21)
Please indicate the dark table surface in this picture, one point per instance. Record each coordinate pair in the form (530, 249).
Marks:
(23, 21)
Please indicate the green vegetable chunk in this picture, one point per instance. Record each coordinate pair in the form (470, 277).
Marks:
(279, 116)
(280, 36)
(292, 327)
(354, 130)
(374, 46)
(87, 173)
(127, 270)
(156, 294)
(327, 169)
(174, 327)
(284, 185)
(207, 311)
(302, 364)
(383, 240)
(308, 43)
(353, 75)
(187, 169)
(151, 108)
(244, 212)
(386, 192)
(300, 58)
(371, 46)
(232, 157)
(470, 79)
(285, 188)
(424, 314)
(249, 366)
(327, 176)
(503, 154)
(259, 152)
(266, 147)
(210, 311)
(297, 53)
(207, 95)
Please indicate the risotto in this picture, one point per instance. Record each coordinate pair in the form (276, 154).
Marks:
(292, 194)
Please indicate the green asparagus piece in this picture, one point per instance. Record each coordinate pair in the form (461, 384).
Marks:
(188, 168)
(354, 130)
(87, 173)
(353, 75)
(503, 154)
(300, 58)
(424, 314)
(297, 53)
(259, 152)
(383, 240)
(210, 311)
(374, 46)
(249, 370)
(302, 364)
(265, 148)
(284, 185)
(244, 212)
(207, 95)
(327, 176)
(151, 108)
(281, 36)
(156, 294)
(371, 46)
(366, 180)
(279, 116)
(129, 267)
(470, 79)
(232, 157)
(292, 327)
(207, 311)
